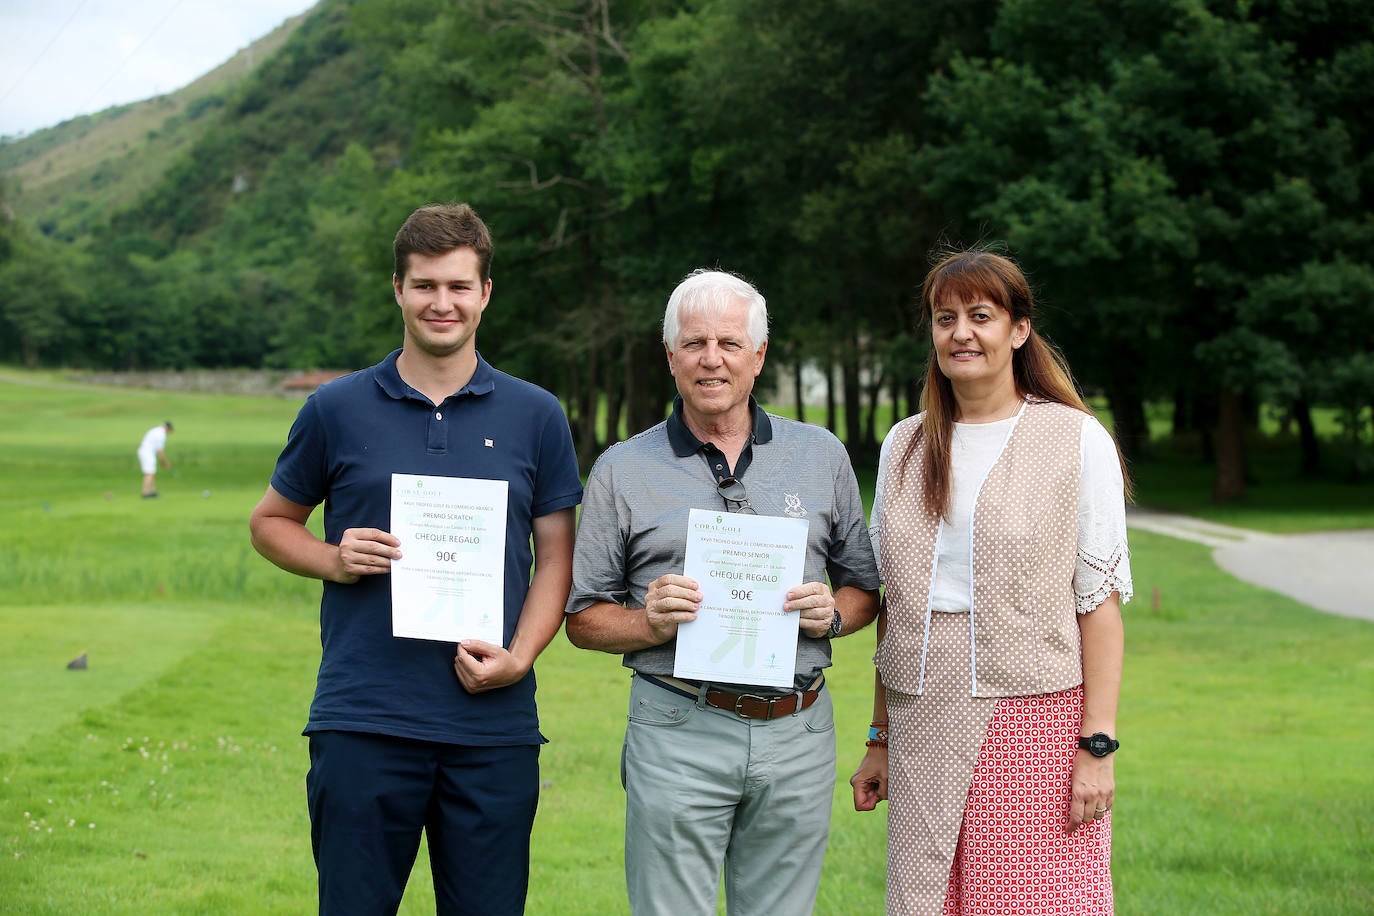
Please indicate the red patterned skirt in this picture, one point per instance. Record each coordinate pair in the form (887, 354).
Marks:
(978, 798)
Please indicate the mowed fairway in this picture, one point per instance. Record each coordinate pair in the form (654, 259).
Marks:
(168, 777)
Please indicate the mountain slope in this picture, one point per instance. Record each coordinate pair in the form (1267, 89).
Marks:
(68, 178)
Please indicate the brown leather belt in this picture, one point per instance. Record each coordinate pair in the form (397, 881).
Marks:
(744, 705)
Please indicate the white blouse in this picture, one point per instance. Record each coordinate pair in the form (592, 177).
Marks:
(1103, 565)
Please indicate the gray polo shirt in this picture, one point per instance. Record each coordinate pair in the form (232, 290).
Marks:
(635, 506)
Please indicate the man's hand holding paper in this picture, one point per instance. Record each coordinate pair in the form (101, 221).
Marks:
(744, 566)
(816, 607)
(452, 531)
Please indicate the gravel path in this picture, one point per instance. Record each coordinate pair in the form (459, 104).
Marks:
(1332, 571)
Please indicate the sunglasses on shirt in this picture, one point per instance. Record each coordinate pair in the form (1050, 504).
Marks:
(731, 489)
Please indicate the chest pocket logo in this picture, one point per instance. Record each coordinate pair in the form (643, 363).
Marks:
(794, 506)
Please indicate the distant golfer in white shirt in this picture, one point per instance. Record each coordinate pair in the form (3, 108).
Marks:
(151, 450)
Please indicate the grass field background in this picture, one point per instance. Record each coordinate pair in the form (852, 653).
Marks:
(168, 777)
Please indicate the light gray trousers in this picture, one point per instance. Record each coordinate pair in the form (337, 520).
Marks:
(707, 791)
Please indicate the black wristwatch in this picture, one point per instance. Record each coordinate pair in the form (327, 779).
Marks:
(836, 624)
(1099, 745)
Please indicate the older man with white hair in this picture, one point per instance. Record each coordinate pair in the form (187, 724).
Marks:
(720, 776)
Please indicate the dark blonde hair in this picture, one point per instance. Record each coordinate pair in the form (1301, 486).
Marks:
(1038, 367)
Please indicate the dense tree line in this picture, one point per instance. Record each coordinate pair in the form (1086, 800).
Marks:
(1187, 182)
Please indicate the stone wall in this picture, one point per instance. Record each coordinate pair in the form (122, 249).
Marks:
(211, 381)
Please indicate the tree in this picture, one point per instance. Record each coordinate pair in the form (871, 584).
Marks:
(807, 117)
(542, 157)
(1154, 165)
(37, 296)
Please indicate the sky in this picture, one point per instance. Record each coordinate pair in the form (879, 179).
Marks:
(63, 58)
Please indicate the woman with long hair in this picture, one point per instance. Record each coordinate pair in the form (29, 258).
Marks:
(999, 523)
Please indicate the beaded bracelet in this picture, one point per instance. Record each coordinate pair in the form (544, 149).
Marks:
(877, 735)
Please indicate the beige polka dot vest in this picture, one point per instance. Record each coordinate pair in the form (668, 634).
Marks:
(1025, 543)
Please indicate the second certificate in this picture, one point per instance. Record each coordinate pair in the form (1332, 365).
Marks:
(744, 565)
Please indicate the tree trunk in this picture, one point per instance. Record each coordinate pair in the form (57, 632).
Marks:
(853, 404)
(1307, 438)
(1230, 445)
(1128, 415)
(1251, 406)
(870, 441)
(831, 411)
(1182, 413)
(584, 440)
(646, 375)
(572, 399)
(1204, 419)
(618, 386)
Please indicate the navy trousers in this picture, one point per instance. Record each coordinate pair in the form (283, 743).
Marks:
(370, 796)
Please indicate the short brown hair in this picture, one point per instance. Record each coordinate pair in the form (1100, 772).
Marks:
(437, 229)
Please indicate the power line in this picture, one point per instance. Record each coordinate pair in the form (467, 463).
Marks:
(46, 48)
(130, 56)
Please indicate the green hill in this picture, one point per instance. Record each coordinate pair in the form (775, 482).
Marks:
(1191, 196)
(68, 178)
(185, 230)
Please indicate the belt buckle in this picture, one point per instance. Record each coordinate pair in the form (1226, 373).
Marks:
(739, 704)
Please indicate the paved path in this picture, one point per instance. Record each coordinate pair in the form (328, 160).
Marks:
(1331, 571)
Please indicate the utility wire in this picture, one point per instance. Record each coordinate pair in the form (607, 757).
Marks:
(113, 73)
(46, 48)
(130, 56)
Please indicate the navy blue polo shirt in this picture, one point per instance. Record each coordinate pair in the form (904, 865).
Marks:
(348, 439)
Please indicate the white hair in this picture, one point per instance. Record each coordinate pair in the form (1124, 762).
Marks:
(711, 292)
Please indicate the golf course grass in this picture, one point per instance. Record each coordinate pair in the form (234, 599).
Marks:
(168, 775)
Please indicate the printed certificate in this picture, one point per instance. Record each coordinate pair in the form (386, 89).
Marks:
(450, 581)
(744, 564)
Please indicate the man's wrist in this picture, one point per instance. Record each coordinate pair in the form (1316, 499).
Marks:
(654, 636)
(525, 665)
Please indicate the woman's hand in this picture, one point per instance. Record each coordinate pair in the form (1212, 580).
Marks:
(1094, 789)
(870, 779)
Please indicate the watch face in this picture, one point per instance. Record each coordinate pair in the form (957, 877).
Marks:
(1100, 745)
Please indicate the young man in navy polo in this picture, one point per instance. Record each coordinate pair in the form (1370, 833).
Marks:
(411, 735)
